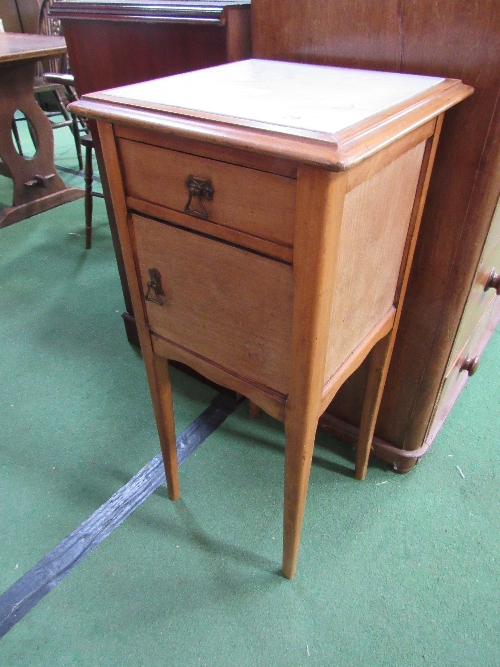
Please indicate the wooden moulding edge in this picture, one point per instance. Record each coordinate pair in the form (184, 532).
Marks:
(157, 12)
(334, 152)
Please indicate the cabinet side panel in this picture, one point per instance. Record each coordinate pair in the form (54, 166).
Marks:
(372, 240)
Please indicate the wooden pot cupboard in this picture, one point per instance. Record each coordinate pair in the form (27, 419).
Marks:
(268, 214)
(115, 42)
(452, 304)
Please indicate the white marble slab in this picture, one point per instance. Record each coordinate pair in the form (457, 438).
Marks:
(295, 97)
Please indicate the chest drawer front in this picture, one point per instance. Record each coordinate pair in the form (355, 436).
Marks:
(248, 200)
(479, 299)
(228, 305)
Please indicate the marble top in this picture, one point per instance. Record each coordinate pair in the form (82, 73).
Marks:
(296, 98)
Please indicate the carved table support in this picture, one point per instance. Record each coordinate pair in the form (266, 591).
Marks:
(37, 186)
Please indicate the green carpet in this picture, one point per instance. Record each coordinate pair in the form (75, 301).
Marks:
(398, 571)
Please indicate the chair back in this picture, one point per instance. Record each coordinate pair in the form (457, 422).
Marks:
(48, 25)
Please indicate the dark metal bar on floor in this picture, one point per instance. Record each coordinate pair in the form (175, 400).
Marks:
(75, 172)
(32, 587)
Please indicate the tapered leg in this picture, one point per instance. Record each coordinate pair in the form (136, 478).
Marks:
(156, 366)
(380, 358)
(319, 205)
(164, 413)
(300, 435)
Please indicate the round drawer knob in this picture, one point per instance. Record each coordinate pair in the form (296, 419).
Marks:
(470, 365)
(493, 281)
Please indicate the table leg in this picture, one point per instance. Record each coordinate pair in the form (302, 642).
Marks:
(37, 186)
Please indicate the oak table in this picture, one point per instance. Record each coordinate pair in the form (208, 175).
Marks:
(37, 185)
(268, 214)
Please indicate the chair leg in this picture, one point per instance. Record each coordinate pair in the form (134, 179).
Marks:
(78, 143)
(88, 175)
(74, 127)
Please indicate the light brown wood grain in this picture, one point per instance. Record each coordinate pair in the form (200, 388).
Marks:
(244, 199)
(372, 239)
(272, 402)
(320, 201)
(356, 358)
(223, 303)
(381, 355)
(156, 367)
(234, 236)
(376, 162)
(243, 158)
(284, 335)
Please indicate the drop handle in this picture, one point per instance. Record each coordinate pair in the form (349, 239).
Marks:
(198, 189)
(493, 281)
(470, 364)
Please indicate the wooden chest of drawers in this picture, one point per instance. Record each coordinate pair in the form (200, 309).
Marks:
(268, 214)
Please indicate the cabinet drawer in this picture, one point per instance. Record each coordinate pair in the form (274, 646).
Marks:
(244, 199)
(479, 300)
(457, 374)
(225, 304)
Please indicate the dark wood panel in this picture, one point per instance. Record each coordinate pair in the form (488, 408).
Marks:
(449, 38)
(105, 55)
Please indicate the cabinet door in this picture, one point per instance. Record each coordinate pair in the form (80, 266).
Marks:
(221, 302)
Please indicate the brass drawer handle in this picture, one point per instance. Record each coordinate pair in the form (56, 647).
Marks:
(154, 285)
(470, 365)
(493, 281)
(199, 188)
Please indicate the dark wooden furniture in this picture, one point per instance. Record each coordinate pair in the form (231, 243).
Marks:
(452, 305)
(114, 43)
(20, 15)
(268, 214)
(37, 186)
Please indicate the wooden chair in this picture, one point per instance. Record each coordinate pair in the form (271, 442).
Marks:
(67, 81)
